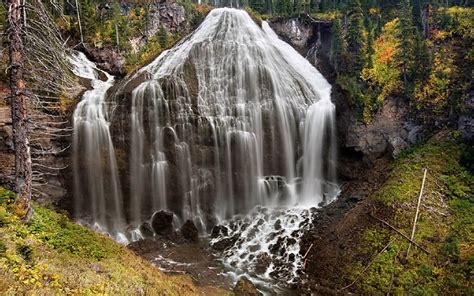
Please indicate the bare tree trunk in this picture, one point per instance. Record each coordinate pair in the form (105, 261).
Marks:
(19, 107)
(79, 22)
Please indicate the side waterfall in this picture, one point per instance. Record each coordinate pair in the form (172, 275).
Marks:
(97, 192)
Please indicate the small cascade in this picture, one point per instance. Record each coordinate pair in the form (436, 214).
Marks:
(312, 54)
(97, 191)
(265, 245)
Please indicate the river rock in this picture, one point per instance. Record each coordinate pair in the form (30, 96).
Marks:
(263, 262)
(146, 230)
(190, 231)
(162, 222)
(225, 243)
(219, 230)
(245, 287)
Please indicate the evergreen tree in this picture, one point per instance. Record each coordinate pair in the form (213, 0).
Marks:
(406, 35)
(356, 35)
(284, 7)
(163, 37)
(338, 45)
(314, 5)
(370, 43)
(297, 6)
(416, 12)
(421, 59)
(257, 5)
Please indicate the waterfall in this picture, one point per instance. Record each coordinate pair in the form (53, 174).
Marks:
(229, 119)
(241, 105)
(97, 192)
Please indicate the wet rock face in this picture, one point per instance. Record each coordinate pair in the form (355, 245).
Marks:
(311, 38)
(190, 232)
(162, 222)
(295, 31)
(107, 59)
(245, 287)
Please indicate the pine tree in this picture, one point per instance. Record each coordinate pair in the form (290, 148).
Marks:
(406, 35)
(422, 60)
(163, 37)
(356, 35)
(257, 5)
(337, 45)
(284, 7)
(314, 5)
(370, 43)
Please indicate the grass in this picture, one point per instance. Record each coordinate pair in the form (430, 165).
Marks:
(51, 255)
(445, 227)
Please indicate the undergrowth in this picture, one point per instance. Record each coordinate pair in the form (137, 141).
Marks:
(51, 255)
(445, 227)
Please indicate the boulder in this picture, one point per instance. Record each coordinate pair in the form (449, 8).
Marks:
(225, 243)
(190, 231)
(245, 287)
(162, 222)
(219, 230)
(263, 262)
(146, 230)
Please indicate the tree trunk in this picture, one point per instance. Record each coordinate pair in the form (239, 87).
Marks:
(19, 107)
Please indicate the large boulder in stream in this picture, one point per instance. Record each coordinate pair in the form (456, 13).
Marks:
(219, 230)
(162, 222)
(190, 231)
(225, 243)
(245, 287)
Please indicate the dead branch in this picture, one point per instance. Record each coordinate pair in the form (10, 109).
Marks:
(417, 211)
(399, 232)
(366, 268)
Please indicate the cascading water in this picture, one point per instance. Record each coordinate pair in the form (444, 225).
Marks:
(219, 114)
(229, 119)
(97, 192)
